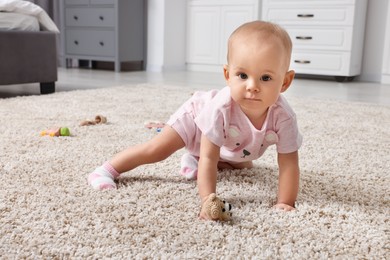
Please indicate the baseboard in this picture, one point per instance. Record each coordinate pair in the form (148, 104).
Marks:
(385, 79)
(160, 68)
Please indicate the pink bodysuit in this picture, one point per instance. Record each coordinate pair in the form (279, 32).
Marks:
(221, 120)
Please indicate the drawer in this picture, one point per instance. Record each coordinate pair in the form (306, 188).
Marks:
(322, 63)
(102, 2)
(89, 42)
(311, 16)
(221, 3)
(93, 17)
(76, 2)
(309, 2)
(86, 2)
(321, 38)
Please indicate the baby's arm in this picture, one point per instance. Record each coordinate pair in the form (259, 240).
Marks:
(207, 170)
(288, 180)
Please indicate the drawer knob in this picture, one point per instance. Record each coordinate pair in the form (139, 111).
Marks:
(76, 42)
(305, 15)
(302, 61)
(101, 17)
(75, 17)
(303, 37)
(101, 43)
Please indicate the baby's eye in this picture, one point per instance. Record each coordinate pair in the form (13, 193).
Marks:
(265, 78)
(242, 76)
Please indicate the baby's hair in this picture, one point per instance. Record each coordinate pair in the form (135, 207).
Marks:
(264, 29)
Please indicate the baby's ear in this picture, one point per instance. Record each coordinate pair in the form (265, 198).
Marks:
(226, 71)
(288, 78)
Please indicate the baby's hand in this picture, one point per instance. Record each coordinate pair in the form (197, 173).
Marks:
(284, 207)
(203, 214)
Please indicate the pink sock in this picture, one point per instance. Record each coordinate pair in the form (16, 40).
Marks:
(103, 177)
(189, 167)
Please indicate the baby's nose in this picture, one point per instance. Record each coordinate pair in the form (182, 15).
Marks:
(253, 86)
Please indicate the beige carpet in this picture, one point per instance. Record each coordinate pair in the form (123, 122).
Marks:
(48, 211)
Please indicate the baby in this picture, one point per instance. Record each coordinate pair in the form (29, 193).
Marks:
(231, 127)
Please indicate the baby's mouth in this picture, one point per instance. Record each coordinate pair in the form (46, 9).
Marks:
(253, 99)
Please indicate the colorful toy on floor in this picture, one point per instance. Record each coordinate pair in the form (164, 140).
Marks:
(99, 119)
(60, 131)
(155, 124)
(217, 209)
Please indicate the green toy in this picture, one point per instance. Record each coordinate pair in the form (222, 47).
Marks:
(60, 131)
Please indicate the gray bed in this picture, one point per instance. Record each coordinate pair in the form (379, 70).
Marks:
(28, 57)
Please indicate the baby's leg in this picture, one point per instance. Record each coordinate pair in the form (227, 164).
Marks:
(189, 166)
(232, 166)
(154, 150)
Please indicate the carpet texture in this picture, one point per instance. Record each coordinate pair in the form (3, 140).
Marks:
(48, 211)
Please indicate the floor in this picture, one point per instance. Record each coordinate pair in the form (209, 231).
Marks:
(74, 78)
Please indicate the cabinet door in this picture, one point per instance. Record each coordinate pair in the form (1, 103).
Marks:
(231, 18)
(203, 34)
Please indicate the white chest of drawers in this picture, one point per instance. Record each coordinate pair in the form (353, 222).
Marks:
(327, 36)
(103, 30)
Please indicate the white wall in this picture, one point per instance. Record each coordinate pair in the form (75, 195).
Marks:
(386, 57)
(374, 40)
(175, 35)
(155, 35)
(166, 35)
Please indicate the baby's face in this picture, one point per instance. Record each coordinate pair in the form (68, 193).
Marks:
(256, 73)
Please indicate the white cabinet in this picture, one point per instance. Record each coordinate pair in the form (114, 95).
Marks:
(327, 36)
(103, 30)
(209, 25)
